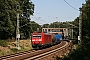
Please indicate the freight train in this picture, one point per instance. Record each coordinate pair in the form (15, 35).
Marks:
(41, 39)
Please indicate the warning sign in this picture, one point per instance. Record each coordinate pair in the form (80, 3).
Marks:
(18, 35)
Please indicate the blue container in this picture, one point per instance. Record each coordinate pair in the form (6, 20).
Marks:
(58, 37)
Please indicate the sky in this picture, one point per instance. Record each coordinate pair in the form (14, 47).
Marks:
(49, 11)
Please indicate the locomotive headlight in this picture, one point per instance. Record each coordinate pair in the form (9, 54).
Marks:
(40, 40)
(33, 40)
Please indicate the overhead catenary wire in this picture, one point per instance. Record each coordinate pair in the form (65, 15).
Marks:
(32, 23)
(45, 15)
(52, 16)
(56, 18)
(70, 5)
(40, 20)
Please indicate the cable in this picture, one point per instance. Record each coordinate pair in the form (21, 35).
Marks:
(70, 5)
(40, 19)
(44, 15)
(51, 16)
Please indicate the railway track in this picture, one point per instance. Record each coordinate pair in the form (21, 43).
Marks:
(37, 55)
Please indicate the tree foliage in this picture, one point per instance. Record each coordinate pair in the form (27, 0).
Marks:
(35, 26)
(45, 26)
(83, 50)
(8, 17)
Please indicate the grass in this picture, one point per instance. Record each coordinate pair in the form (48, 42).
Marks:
(14, 49)
(3, 43)
(6, 50)
(3, 53)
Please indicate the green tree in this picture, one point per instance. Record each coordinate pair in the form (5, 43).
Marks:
(28, 9)
(83, 51)
(45, 26)
(6, 27)
(58, 25)
(34, 26)
(8, 17)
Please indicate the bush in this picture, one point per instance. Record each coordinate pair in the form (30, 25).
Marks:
(22, 48)
(75, 41)
(14, 49)
(3, 43)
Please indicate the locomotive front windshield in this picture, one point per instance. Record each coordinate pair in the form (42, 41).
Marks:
(37, 36)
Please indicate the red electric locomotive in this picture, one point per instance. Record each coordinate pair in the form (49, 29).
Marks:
(40, 39)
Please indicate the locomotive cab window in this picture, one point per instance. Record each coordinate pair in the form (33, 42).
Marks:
(37, 36)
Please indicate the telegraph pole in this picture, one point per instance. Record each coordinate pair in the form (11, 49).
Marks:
(17, 30)
(72, 33)
(80, 27)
